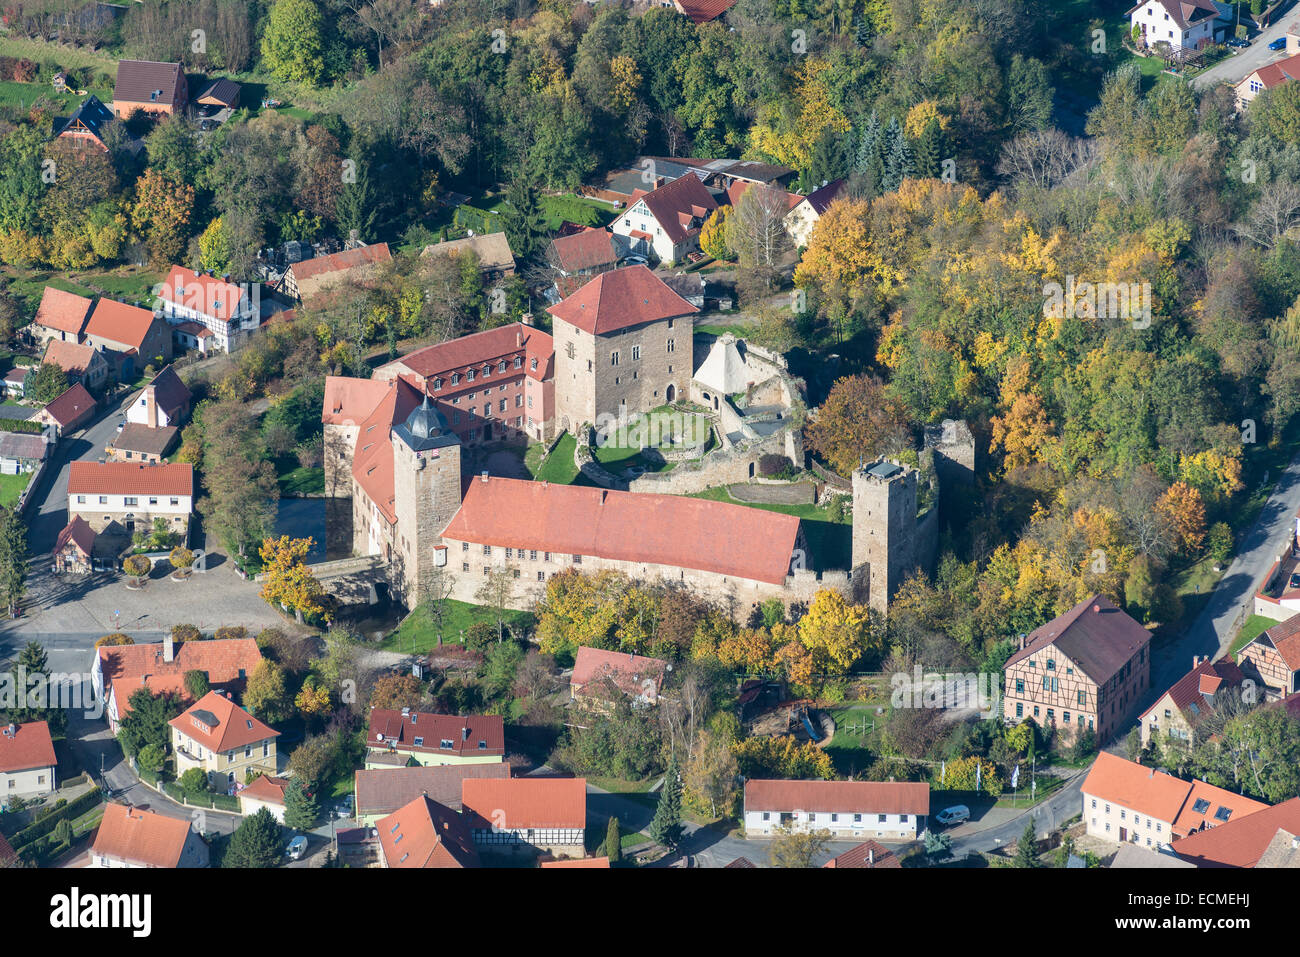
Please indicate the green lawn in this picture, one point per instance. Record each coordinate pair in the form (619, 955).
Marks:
(830, 537)
(559, 466)
(1251, 629)
(302, 481)
(418, 633)
(11, 486)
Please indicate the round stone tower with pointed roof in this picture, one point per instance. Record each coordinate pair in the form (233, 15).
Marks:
(426, 494)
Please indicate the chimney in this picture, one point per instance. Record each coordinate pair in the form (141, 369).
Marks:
(1022, 642)
(169, 648)
(871, 856)
(150, 408)
(464, 734)
(484, 475)
(526, 318)
(519, 338)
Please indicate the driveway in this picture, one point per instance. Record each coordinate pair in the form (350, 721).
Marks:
(1236, 68)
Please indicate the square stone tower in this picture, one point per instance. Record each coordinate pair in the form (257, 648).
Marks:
(426, 494)
(884, 530)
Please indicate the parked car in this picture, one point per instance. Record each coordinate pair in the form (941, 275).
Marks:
(344, 808)
(1278, 44)
(1239, 44)
(1295, 580)
(296, 848)
(634, 261)
(953, 815)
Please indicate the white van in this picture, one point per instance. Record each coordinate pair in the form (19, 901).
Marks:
(953, 815)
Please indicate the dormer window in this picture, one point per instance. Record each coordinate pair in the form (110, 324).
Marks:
(519, 362)
(446, 743)
(501, 366)
(455, 378)
(437, 385)
(470, 375)
(487, 371)
(419, 742)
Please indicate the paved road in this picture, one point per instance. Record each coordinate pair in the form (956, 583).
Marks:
(1236, 68)
(1048, 816)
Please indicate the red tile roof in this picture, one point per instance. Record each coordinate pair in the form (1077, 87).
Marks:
(868, 855)
(1197, 688)
(267, 789)
(79, 533)
(71, 406)
(647, 528)
(384, 790)
(1210, 806)
(1285, 637)
(64, 311)
(1279, 72)
(702, 11)
(393, 728)
(426, 834)
(141, 837)
(128, 478)
(71, 358)
(876, 797)
(1154, 793)
(336, 262)
(27, 747)
(219, 724)
(469, 351)
(372, 460)
(120, 323)
(587, 249)
(1100, 638)
(513, 803)
(621, 298)
(209, 295)
(349, 401)
(127, 667)
(629, 672)
(169, 392)
(676, 205)
(1240, 842)
(600, 863)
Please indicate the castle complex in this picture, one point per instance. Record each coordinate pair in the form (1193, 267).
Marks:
(394, 445)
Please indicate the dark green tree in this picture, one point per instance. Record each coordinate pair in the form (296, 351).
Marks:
(522, 217)
(666, 826)
(301, 807)
(146, 721)
(613, 841)
(257, 842)
(1026, 847)
(357, 211)
(46, 383)
(196, 684)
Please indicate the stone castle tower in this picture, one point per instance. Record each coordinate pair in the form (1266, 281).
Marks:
(884, 531)
(426, 494)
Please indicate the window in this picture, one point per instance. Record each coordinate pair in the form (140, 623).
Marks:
(175, 500)
(130, 500)
(81, 499)
(636, 353)
(419, 742)
(1020, 686)
(469, 376)
(671, 345)
(532, 554)
(1051, 664)
(577, 559)
(613, 358)
(501, 366)
(1020, 709)
(153, 500)
(510, 553)
(1082, 697)
(455, 378)
(514, 572)
(519, 362)
(437, 385)
(766, 815)
(464, 546)
(464, 566)
(503, 406)
(881, 818)
(519, 400)
(541, 576)
(103, 500)
(487, 549)
(834, 818)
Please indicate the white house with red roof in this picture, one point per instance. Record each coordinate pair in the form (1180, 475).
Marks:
(1267, 77)
(889, 810)
(130, 837)
(266, 792)
(597, 671)
(808, 211)
(125, 495)
(665, 223)
(27, 761)
(129, 337)
(230, 311)
(225, 741)
(61, 315)
(434, 739)
(1183, 24)
(513, 815)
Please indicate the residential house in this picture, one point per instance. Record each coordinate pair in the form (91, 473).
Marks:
(1267, 77)
(1084, 670)
(130, 837)
(1272, 659)
(597, 674)
(75, 548)
(61, 315)
(27, 761)
(424, 833)
(892, 810)
(493, 385)
(1245, 840)
(1133, 856)
(69, 412)
(16, 381)
(433, 739)
(222, 739)
(311, 277)
(264, 792)
(495, 260)
(219, 94)
(665, 222)
(616, 347)
(79, 363)
(22, 452)
(188, 334)
(164, 402)
(808, 211)
(119, 670)
(382, 791)
(230, 311)
(1180, 709)
(588, 252)
(513, 815)
(139, 443)
(127, 496)
(146, 86)
(85, 127)
(740, 864)
(596, 863)
(130, 337)
(1126, 802)
(866, 855)
(1183, 24)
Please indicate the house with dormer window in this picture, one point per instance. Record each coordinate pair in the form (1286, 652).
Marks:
(665, 223)
(399, 738)
(223, 739)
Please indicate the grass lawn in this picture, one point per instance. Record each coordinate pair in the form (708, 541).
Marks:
(721, 329)
(830, 537)
(559, 467)
(65, 57)
(1047, 785)
(1251, 629)
(418, 633)
(302, 481)
(11, 486)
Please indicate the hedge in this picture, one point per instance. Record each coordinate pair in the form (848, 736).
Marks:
(44, 825)
(174, 791)
(21, 425)
(225, 802)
